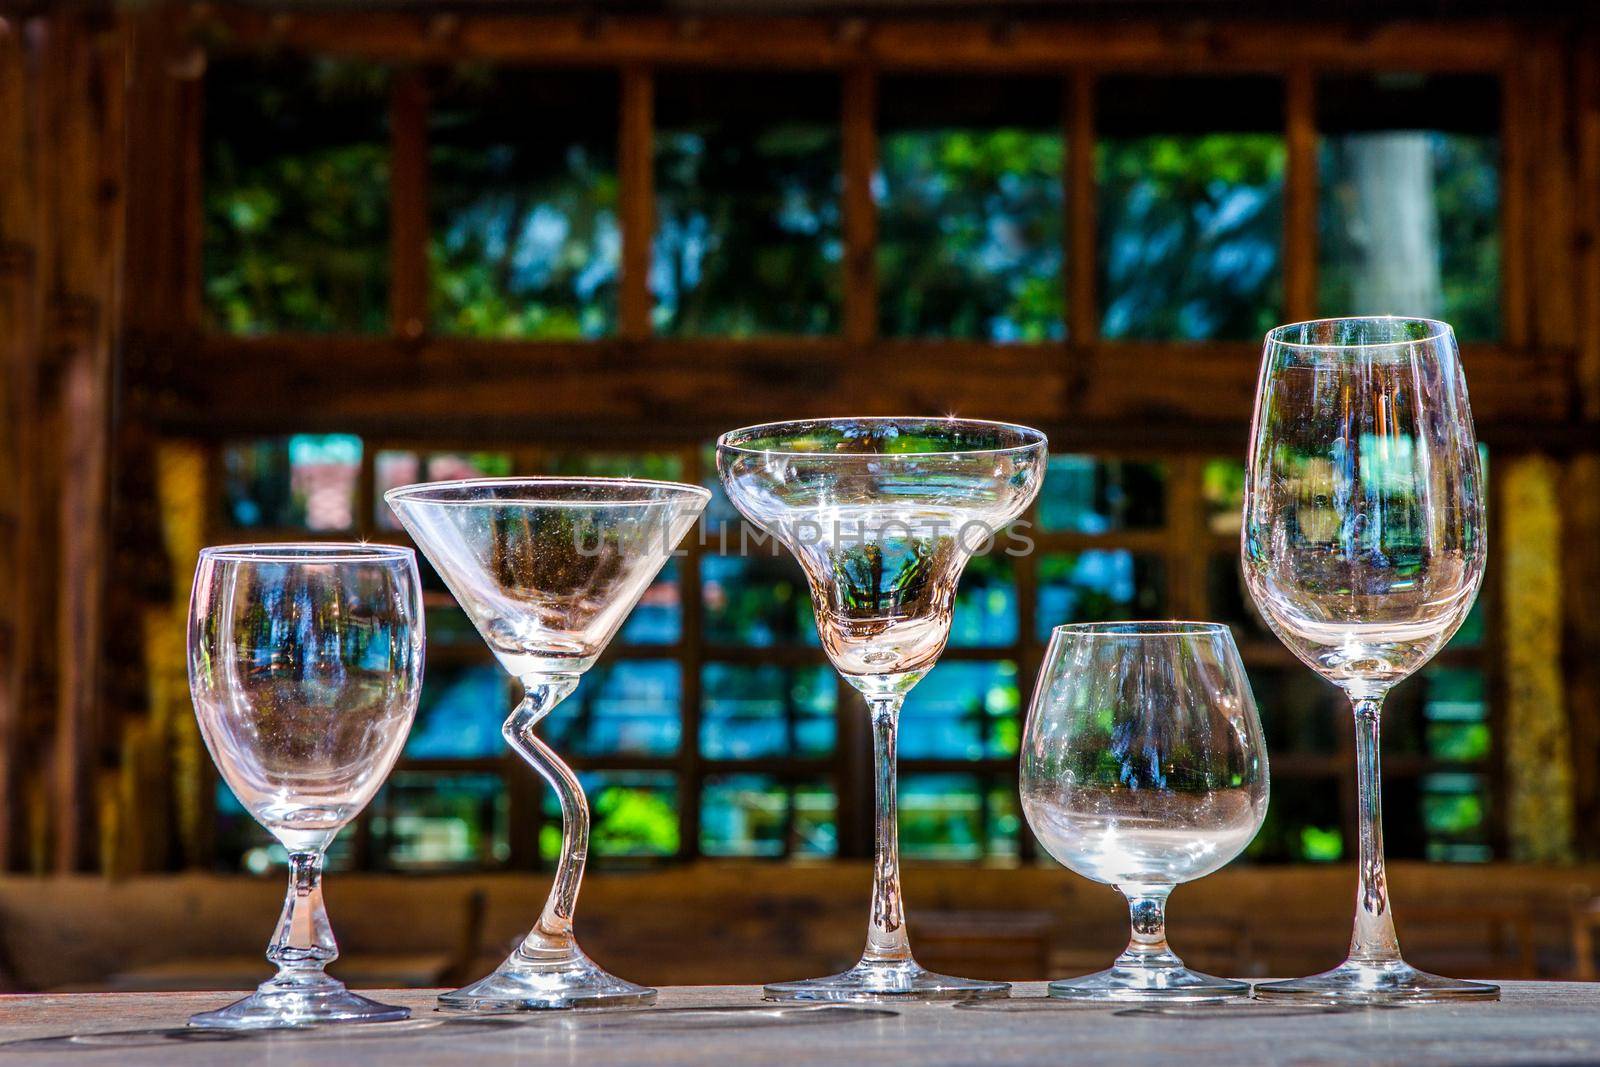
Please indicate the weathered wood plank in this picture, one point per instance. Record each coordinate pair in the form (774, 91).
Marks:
(1041, 44)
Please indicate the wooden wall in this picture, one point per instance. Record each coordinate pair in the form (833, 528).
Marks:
(105, 358)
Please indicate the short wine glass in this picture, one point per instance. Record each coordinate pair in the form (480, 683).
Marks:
(1363, 546)
(305, 665)
(883, 514)
(1143, 766)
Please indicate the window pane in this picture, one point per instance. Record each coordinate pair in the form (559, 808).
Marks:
(306, 481)
(1300, 713)
(1410, 198)
(391, 469)
(766, 711)
(986, 602)
(747, 204)
(631, 707)
(296, 196)
(757, 815)
(1230, 600)
(1097, 586)
(1085, 495)
(1303, 824)
(423, 820)
(522, 188)
(1455, 813)
(1190, 173)
(756, 600)
(1222, 489)
(633, 813)
(658, 617)
(969, 210)
(949, 817)
(460, 713)
(963, 710)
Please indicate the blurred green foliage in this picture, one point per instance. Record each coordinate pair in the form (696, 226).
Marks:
(748, 235)
(296, 196)
(970, 234)
(1190, 236)
(1466, 201)
(523, 202)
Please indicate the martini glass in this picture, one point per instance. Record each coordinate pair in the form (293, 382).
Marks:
(547, 569)
(883, 514)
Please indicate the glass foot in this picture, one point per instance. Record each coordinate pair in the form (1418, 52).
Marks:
(907, 980)
(1156, 976)
(1392, 982)
(523, 983)
(299, 1002)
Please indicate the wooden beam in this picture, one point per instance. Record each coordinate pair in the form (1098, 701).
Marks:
(1300, 197)
(1514, 148)
(636, 177)
(218, 385)
(765, 42)
(859, 162)
(408, 204)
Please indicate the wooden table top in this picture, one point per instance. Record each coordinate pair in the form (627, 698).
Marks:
(1536, 1022)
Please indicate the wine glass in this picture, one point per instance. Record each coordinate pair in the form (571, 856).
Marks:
(305, 664)
(883, 514)
(1143, 766)
(1363, 546)
(547, 569)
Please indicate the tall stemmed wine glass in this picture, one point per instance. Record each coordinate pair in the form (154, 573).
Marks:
(548, 569)
(305, 664)
(1363, 546)
(883, 514)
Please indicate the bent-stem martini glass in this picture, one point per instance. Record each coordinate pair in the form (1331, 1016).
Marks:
(547, 569)
(883, 514)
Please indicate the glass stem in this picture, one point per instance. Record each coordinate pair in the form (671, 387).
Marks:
(1374, 938)
(551, 938)
(303, 944)
(887, 941)
(1147, 918)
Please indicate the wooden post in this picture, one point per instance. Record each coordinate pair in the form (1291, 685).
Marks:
(1083, 317)
(1300, 194)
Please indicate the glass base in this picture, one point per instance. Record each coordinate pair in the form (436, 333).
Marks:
(1159, 977)
(300, 1001)
(1391, 982)
(906, 980)
(523, 983)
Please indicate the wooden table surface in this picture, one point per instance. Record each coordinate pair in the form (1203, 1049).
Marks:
(1535, 1023)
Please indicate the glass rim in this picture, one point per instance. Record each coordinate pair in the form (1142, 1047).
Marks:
(1036, 438)
(419, 492)
(1438, 329)
(1140, 628)
(308, 552)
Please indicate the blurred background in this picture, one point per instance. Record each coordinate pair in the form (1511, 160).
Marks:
(260, 262)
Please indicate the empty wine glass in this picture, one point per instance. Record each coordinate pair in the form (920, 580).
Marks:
(883, 514)
(1143, 766)
(305, 664)
(1363, 545)
(548, 569)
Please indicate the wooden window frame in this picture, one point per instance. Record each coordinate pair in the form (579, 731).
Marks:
(1078, 391)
